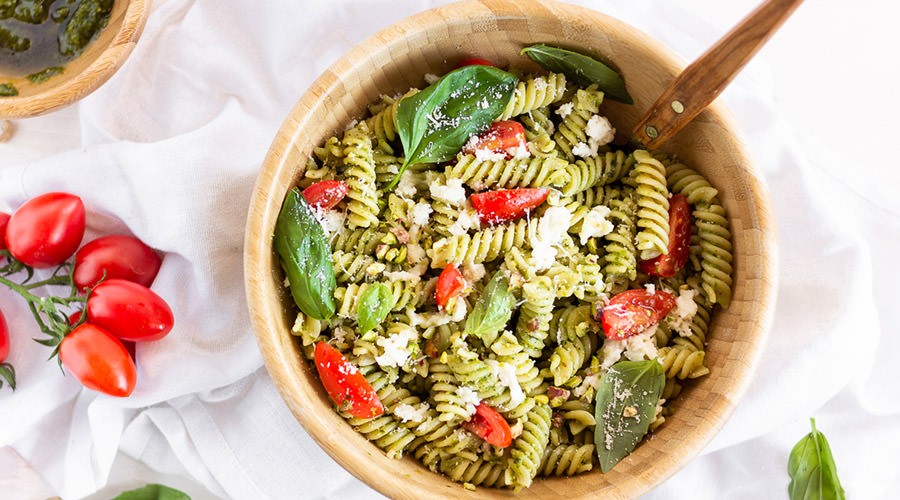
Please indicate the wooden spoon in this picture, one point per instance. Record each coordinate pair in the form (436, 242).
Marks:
(705, 78)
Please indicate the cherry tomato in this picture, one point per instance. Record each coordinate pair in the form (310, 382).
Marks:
(489, 425)
(449, 284)
(4, 338)
(345, 385)
(506, 205)
(4, 220)
(129, 311)
(118, 256)
(75, 317)
(324, 195)
(46, 230)
(666, 265)
(501, 137)
(633, 311)
(474, 61)
(98, 360)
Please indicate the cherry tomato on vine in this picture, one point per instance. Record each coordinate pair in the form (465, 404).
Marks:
(325, 195)
(504, 205)
(98, 360)
(46, 230)
(129, 311)
(118, 256)
(474, 61)
(7, 372)
(75, 317)
(633, 311)
(4, 220)
(501, 137)
(449, 284)
(489, 425)
(666, 265)
(345, 385)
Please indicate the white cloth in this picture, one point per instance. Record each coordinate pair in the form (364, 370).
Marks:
(171, 148)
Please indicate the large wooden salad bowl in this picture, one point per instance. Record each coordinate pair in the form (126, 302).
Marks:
(431, 42)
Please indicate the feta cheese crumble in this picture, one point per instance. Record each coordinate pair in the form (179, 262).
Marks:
(453, 192)
(565, 109)
(396, 348)
(685, 310)
(550, 232)
(595, 224)
(409, 413)
(467, 219)
(506, 375)
(583, 150)
(599, 131)
(488, 155)
(420, 213)
(406, 188)
(469, 398)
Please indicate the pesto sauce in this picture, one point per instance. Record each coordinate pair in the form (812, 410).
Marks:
(38, 37)
(8, 90)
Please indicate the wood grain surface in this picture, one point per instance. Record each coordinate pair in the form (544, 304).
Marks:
(432, 42)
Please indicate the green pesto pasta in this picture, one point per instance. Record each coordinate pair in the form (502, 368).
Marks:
(439, 361)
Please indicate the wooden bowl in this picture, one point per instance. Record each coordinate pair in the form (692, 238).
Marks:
(431, 42)
(84, 74)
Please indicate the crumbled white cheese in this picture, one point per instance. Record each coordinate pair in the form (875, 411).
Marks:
(420, 213)
(473, 272)
(685, 310)
(415, 254)
(406, 188)
(332, 221)
(520, 152)
(396, 348)
(468, 397)
(641, 346)
(599, 131)
(431, 78)
(453, 192)
(651, 288)
(595, 224)
(550, 232)
(583, 150)
(350, 125)
(413, 276)
(564, 109)
(486, 155)
(506, 375)
(409, 413)
(459, 310)
(467, 219)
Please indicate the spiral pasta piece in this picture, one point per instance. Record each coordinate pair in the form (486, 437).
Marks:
(359, 176)
(572, 130)
(383, 124)
(682, 362)
(569, 356)
(485, 245)
(528, 449)
(533, 324)
(652, 194)
(476, 472)
(716, 252)
(363, 241)
(620, 261)
(602, 169)
(535, 93)
(567, 460)
(494, 174)
(573, 322)
(685, 180)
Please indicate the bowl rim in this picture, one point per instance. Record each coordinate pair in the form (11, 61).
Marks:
(91, 77)
(280, 364)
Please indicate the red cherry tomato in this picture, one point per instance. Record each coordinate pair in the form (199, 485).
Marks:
(98, 360)
(633, 311)
(118, 256)
(449, 284)
(501, 137)
(666, 265)
(4, 220)
(324, 195)
(7, 372)
(75, 317)
(489, 425)
(345, 385)
(46, 230)
(129, 311)
(4, 338)
(474, 61)
(506, 205)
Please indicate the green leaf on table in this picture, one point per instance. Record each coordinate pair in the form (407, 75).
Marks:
(581, 69)
(812, 470)
(492, 310)
(8, 375)
(305, 257)
(374, 304)
(624, 406)
(153, 492)
(435, 123)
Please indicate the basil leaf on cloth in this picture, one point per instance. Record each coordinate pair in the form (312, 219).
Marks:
(305, 256)
(435, 123)
(581, 69)
(375, 303)
(812, 469)
(625, 405)
(492, 310)
(153, 492)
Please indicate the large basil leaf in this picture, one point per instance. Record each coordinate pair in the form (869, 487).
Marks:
(492, 310)
(153, 492)
(373, 306)
(435, 123)
(624, 407)
(305, 256)
(581, 69)
(812, 470)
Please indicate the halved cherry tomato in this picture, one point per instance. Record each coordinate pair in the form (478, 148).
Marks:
(116, 256)
(505, 205)
(46, 230)
(501, 137)
(98, 360)
(474, 61)
(666, 265)
(4, 220)
(129, 311)
(489, 425)
(345, 385)
(325, 195)
(633, 311)
(449, 284)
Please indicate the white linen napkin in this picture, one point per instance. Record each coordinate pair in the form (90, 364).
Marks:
(171, 148)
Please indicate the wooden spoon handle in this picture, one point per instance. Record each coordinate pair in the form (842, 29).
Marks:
(705, 78)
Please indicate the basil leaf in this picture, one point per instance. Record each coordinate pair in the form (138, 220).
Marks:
(812, 470)
(305, 256)
(624, 407)
(492, 310)
(435, 123)
(153, 492)
(373, 306)
(581, 69)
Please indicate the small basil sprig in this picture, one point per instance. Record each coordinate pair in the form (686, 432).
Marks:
(581, 69)
(624, 407)
(373, 306)
(435, 123)
(492, 310)
(812, 470)
(153, 492)
(305, 256)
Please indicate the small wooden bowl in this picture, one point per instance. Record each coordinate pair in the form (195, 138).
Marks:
(84, 74)
(431, 42)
